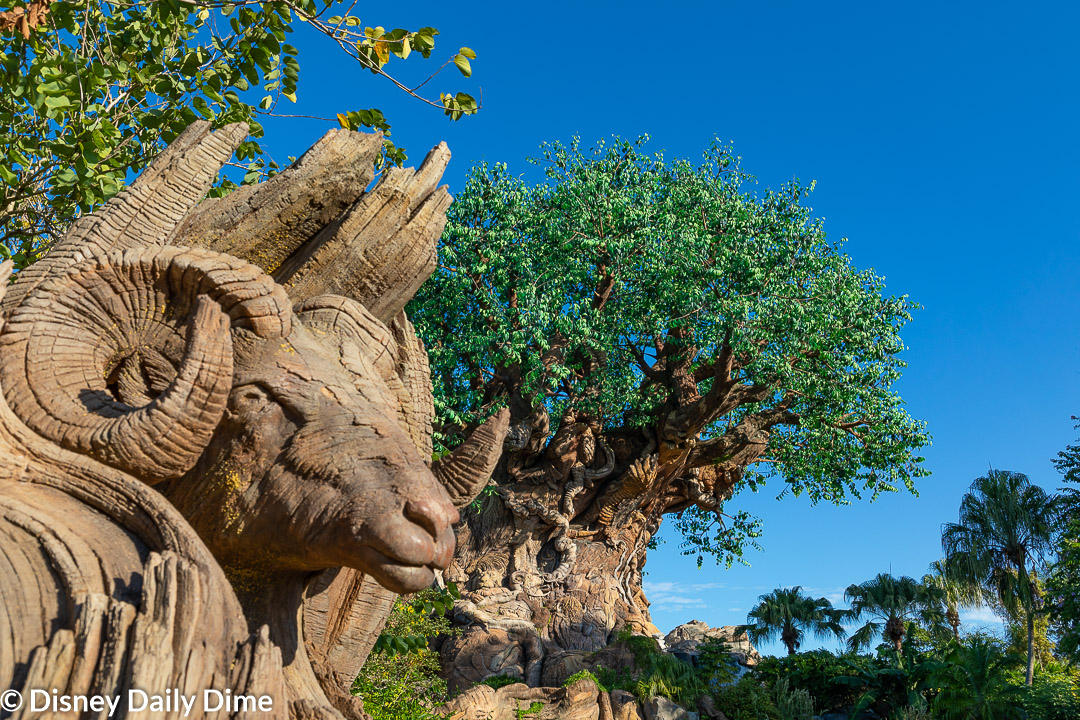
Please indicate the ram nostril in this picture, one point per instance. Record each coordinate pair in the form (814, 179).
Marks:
(427, 515)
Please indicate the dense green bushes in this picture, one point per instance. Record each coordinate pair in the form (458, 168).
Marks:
(975, 678)
(814, 672)
(405, 685)
(1054, 695)
(747, 699)
(793, 704)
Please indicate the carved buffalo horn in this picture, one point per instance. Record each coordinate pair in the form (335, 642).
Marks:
(63, 348)
(466, 471)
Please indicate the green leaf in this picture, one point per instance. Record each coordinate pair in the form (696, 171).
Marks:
(65, 177)
(463, 65)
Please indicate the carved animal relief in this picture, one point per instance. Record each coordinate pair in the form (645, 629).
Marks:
(215, 435)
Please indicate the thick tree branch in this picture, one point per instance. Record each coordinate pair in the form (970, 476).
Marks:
(725, 395)
(603, 288)
(654, 372)
(743, 443)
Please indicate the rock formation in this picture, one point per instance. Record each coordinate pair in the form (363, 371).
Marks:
(581, 700)
(684, 642)
(215, 440)
(562, 691)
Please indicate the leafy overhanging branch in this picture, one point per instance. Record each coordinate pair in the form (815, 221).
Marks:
(90, 92)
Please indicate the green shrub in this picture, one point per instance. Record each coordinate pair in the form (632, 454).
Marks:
(405, 685)
(534, 709)
(919, 711)
(621, 679)
(747, 699)
(672, 678)
(643, 648)
(499, 681)
(975, 680)
(1053, 697)
(715, 665)
(581, 675)
(814, 672)
(792, 704)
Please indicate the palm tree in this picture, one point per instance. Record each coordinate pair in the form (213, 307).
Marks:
(1006, 528)
(889, 604)
(790, 614)
(955, 592)
(974, 684)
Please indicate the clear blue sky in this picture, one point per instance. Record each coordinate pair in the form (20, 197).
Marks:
(943, 139)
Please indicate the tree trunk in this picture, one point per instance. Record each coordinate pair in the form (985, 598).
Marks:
(790, 639)
(895, 631)
(954, 620)
(1031, 648)
(1030, 621)
(551, 562)
(550, 559)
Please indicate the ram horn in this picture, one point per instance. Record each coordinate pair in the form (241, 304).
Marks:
(63, 348)
(466, 470)
(144, 214)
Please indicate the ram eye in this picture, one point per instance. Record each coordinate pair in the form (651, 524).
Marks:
(248, 398)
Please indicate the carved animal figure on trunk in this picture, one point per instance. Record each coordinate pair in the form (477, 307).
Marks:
(293, 443)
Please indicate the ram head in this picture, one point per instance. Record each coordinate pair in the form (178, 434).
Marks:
(248, 358)
(281, 436)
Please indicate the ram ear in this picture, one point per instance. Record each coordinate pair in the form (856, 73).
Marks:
(467, 470)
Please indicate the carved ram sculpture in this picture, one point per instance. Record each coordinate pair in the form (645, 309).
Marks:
(215, 434)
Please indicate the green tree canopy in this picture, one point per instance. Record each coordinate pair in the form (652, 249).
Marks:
(789, 614)
(1063, 581)
(665, 298)
(90, 91)
(1063, 591)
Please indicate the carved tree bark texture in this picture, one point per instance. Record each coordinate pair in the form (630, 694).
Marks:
(289, 451)
(552, 562)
